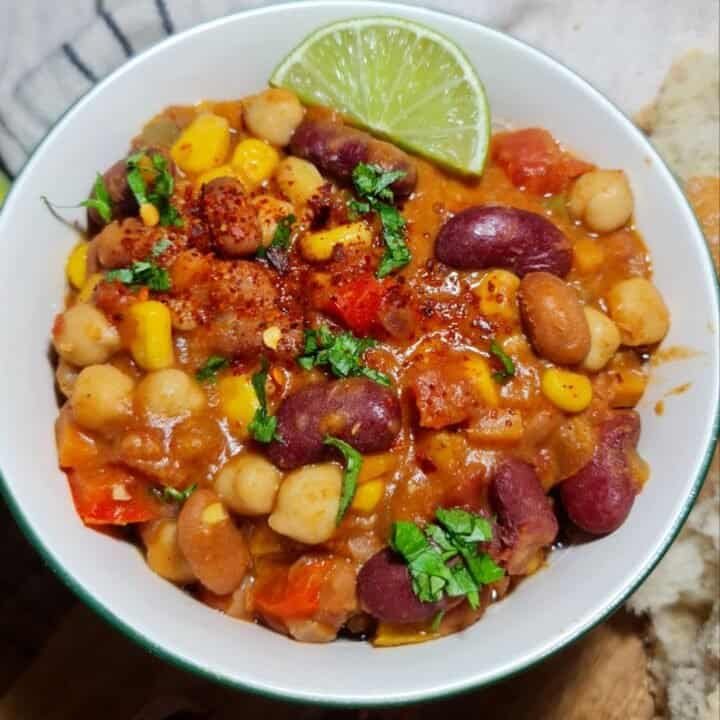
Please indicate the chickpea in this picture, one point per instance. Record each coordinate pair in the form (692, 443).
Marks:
(83, 336)
(307, 504)
(215, 549)
(65, 376)
(170, 393)
(270, 211)
(248, 484)
(163, 551)
(604, 339)
(102, 395)
(639, 311)
(298, 180)
(273, 115)
(602, 199)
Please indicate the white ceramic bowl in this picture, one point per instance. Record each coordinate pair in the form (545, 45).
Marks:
(233, 57)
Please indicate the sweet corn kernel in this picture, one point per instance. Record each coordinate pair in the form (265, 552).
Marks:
(628, 387)
(152, 345)
(499, 426)
(88, 288)
(368, 496)
(567, 390)
(271, 337)
(318, 246)
(149, 215)
(76, 267)
(375, 466)
(496, 292)
(389, 634)
(589, 255)
(479, 373)
(214, 173)
(255, 161)
(213, 514)
(238, 400)
(203, 145)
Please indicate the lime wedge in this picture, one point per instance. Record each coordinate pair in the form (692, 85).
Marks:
(4, 187)
(400, 80)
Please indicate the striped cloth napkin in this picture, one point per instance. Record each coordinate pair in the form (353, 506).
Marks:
(52, 53)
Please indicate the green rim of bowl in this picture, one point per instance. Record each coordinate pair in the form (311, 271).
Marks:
(290, 696)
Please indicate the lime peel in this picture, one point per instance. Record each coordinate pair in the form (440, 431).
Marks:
(400, 80)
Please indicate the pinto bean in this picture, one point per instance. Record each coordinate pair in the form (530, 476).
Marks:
(336, 149)
(526, 521)
(503, 237)
(385, 591)
(599, 497)
(213, 546)
(231, 217)
(122, 241)
(553, 318)
(359, 411)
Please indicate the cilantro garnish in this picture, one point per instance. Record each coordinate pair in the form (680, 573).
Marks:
(100, 199)
(353, 464)
(210, 368)
(171, 494)
(372, 184)
(263, 426)
(161, 190)
(428, 550)
(342, 353)
(281, 236)
(145, 272)
(508, 366)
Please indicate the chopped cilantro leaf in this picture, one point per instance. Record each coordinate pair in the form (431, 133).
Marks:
(353, 464)
(342, 353)
(263, 426)
(427, 552)
(142, 272)
(212, 366)
(160, 192)
(160, 247)
(508, 366)
(281, 236)
(372, 184)
(100, 199)
(171, 494)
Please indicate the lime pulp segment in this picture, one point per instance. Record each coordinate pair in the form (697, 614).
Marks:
(400, 80)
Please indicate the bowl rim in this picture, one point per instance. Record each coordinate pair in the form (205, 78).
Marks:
(384, 7)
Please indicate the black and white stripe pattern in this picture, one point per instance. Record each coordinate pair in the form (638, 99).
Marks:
(119, 29)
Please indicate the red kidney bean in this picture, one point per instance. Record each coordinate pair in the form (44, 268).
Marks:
(336, 149)
(494, 236)
(359, 411)
(599, 497)
(526, 521)
(385, 591)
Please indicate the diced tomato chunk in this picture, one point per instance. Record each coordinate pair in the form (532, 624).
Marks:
(291, 592)
(357, 303)
(532, 159)
(110, 495)
(75, 449)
